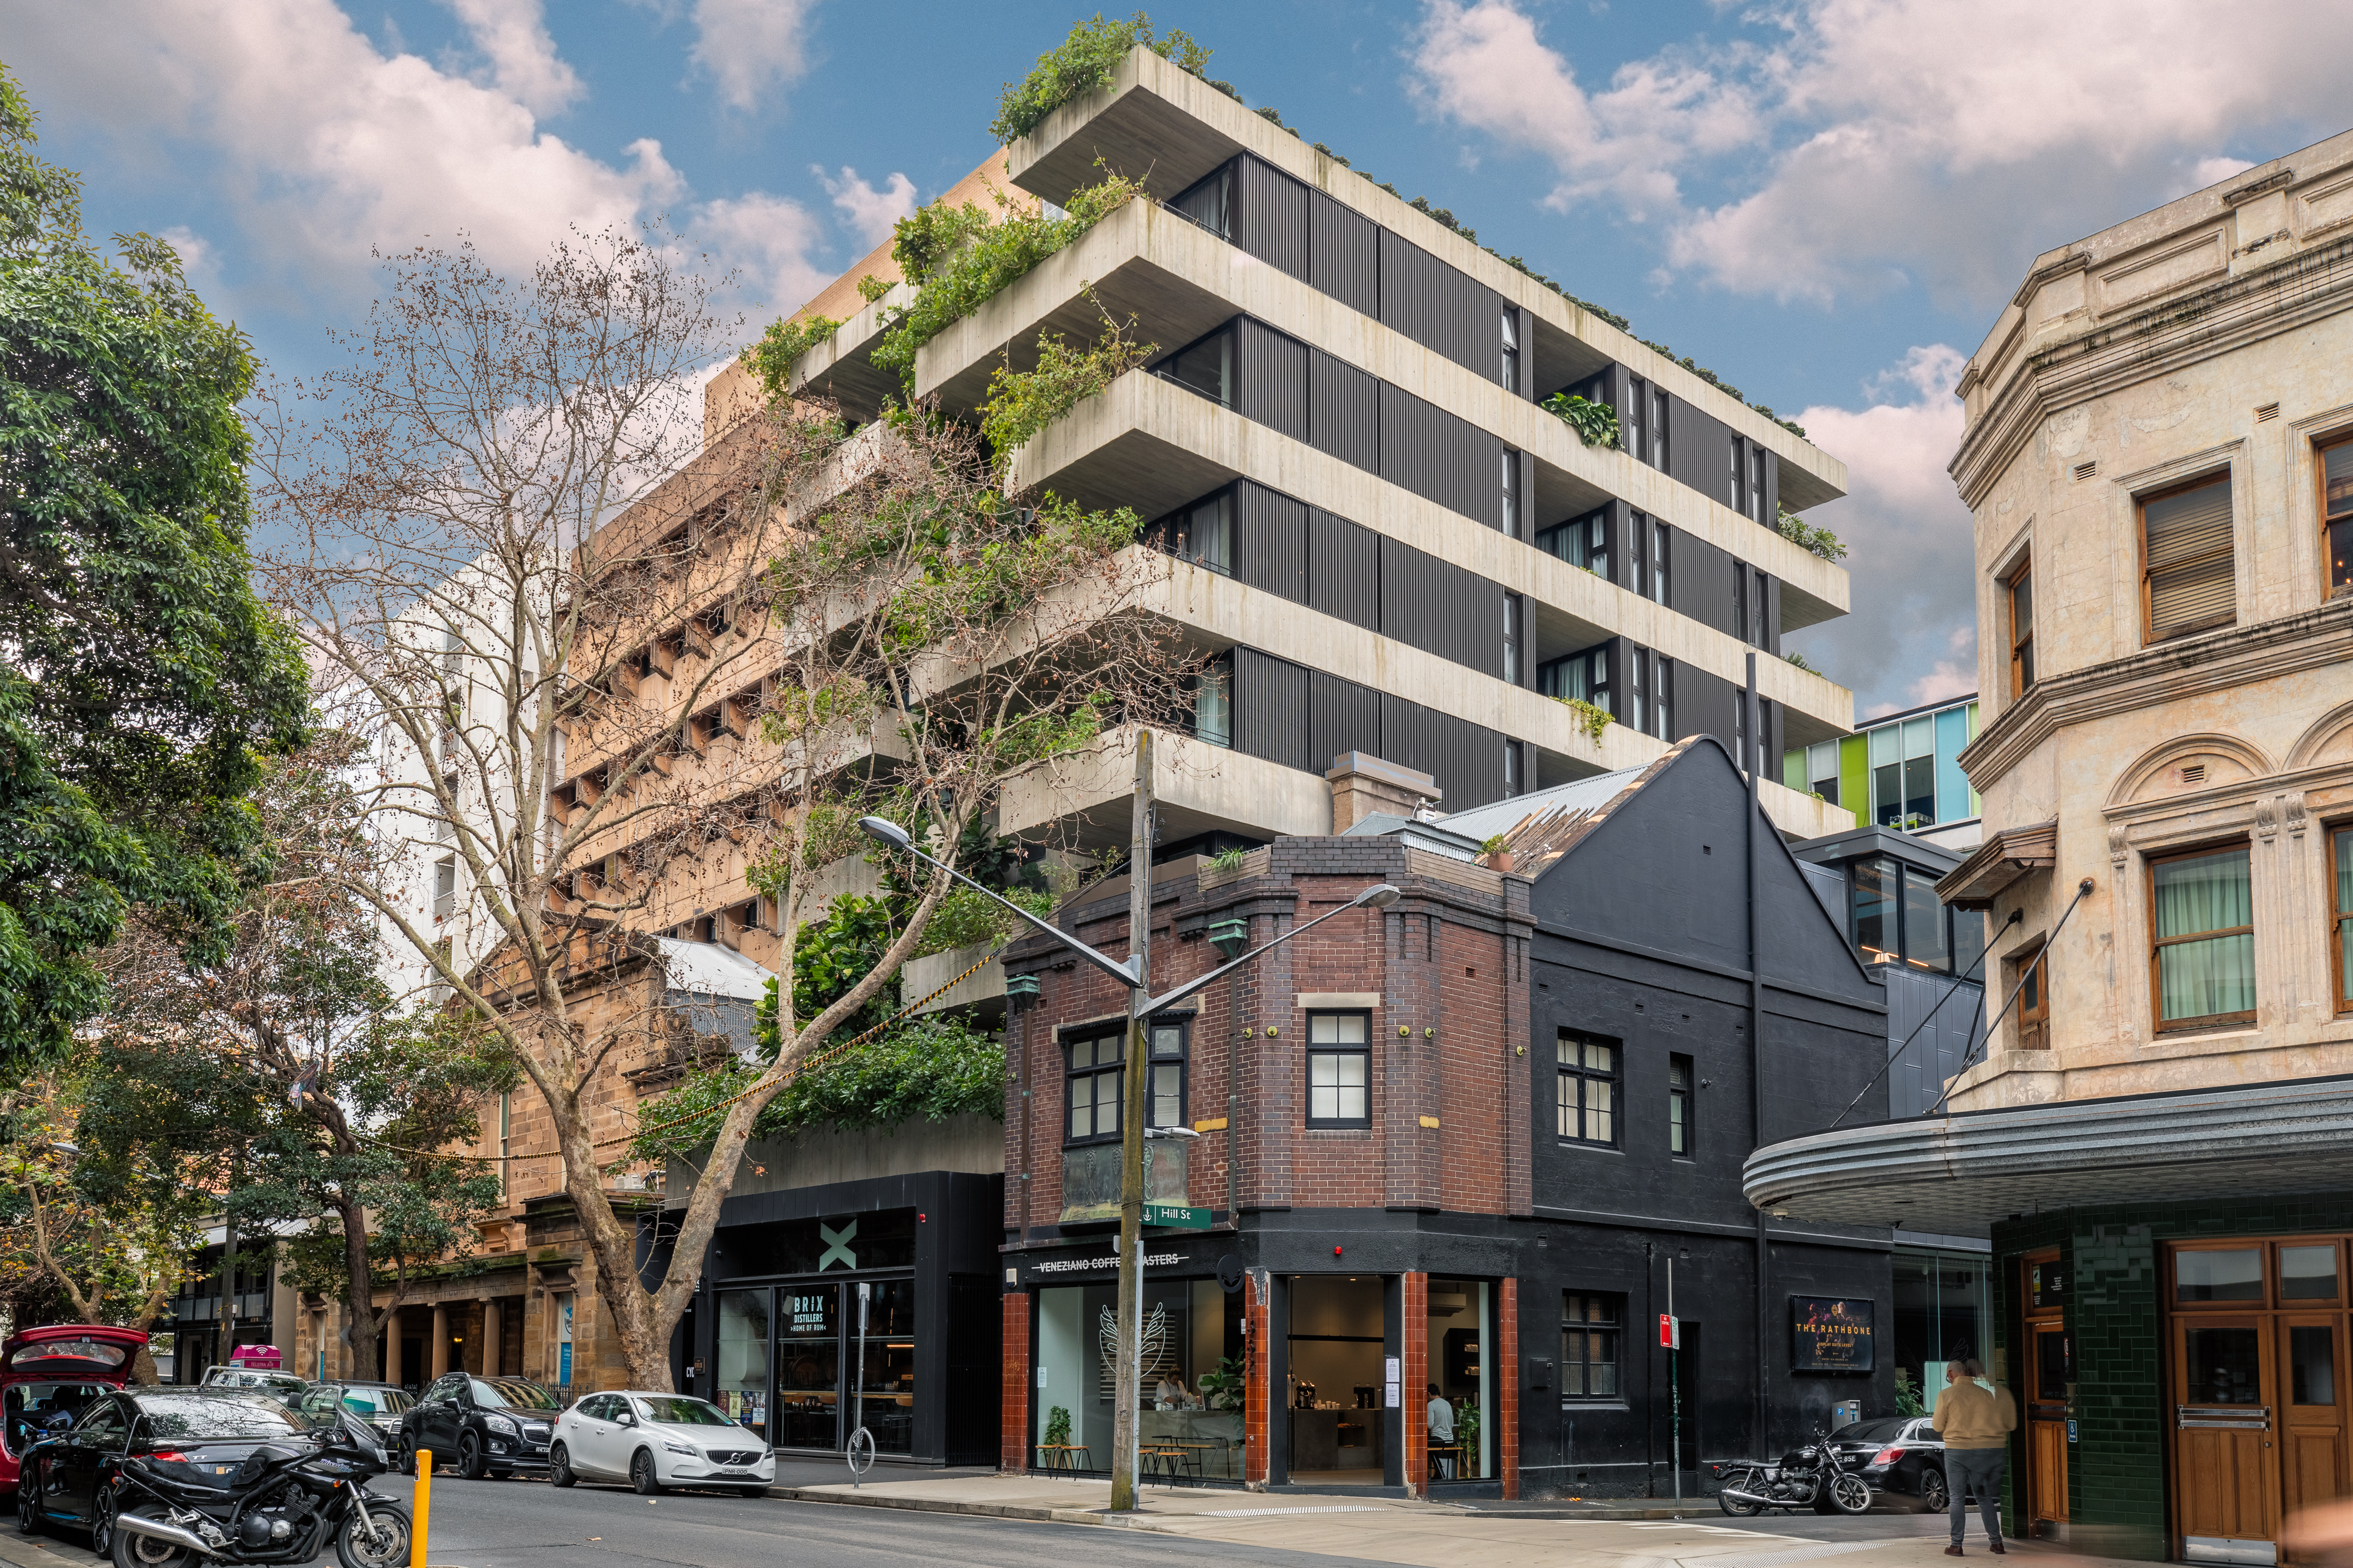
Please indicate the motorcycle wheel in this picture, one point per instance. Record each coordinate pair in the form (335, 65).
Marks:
(559, 1466)
(1850, 1493)
(1737, 1509)
(146, 1552)
(386, 1548)
(28, 1508)
(470, 1463)
(1933, 1498)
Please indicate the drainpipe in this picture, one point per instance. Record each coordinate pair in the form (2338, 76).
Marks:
(1754, 762)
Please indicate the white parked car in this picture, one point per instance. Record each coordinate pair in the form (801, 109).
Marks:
(656, 1441)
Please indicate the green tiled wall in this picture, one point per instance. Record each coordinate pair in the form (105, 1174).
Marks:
(2108, 1257)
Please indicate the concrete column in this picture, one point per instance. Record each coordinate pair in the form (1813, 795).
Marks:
(495, 1324)
(441, 1352)
(392, 1373)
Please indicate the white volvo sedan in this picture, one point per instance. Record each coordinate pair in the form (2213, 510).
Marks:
(656, 1441)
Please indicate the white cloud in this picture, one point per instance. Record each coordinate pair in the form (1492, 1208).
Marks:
(871, 214)
(748, 46)
(523, 63)
(1912, 635)
(767, 238)
(1873, 142)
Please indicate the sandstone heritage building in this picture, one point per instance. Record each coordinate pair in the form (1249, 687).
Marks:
(2159, 1137)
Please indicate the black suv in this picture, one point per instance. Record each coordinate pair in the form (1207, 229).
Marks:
(481, 1425)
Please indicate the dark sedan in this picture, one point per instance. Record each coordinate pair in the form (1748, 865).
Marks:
(199, 1435)
(480, 1426)
(1899, 1455)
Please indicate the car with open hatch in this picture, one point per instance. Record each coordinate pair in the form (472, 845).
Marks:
(49, 1376)
(659, 1441)
(480, 1426)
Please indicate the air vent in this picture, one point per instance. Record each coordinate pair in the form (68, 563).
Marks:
(2085, 470)
(2195, 773)
(2269, 411)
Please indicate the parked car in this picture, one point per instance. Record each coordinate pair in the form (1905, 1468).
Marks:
(481, 1425)
(59, 1370)
(1901, 1456)
(656, 1441)
(283, 1386)
(380, 1404)
(196, 1436)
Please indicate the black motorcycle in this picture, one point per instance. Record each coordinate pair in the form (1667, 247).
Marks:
(282, 1503)
(1814, 1477)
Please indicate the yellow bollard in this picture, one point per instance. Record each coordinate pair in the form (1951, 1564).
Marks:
(420, 1507)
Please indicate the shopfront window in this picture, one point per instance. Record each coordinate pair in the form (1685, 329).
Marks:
(1336, 1343)
(809, 1366)
(886, 1379)
(1590, 1324)
(741, 1385)
(1942, 1308)
(1190, 1386)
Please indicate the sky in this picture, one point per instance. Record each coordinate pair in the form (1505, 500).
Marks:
(1825, 202)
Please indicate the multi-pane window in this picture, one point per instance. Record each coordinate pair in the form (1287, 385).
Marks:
(1339, 1069)
(1165, 1091)
(1638, 420)
(2187, 583)
(2033, 1004)
(1514, 781)
(2341, 914)
(1750, 623)
(2336, 515)
(1757, 488)
(1738, 497)
(1511, 495)
(1206, 367)
(445, 887)
(1511, 366)
(1209, 203)
(1579, 677)
(1512, 615)
(1679, 1107)
(1659, 430)
(1893, 916)
(1638, 689)
(1213, 702)
(1903, 774)
(1202, 534)
(1657, 586)
(1091, 1081)
(2019, 591)
(1586, 1098)
(2203, 957)
(1590, 1328)
(1823, 770)
(1581, 542)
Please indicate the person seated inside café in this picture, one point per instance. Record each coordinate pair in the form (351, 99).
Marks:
(1172, 1395)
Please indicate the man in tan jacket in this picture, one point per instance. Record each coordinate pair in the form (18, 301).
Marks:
(1975, 1420)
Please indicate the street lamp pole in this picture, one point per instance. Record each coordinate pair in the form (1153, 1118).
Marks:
(1135, 976)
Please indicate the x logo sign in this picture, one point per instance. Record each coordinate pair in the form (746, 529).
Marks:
(837, 1245)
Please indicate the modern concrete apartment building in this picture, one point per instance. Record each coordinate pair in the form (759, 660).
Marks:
(2160, 1138)
(1393, 550)
(1901, 770)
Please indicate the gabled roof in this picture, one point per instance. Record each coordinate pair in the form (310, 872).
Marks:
(1540, 826)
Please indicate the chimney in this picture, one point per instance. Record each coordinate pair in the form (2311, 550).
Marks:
(1362, 785)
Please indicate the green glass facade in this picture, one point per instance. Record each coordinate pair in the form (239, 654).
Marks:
(1903, 770)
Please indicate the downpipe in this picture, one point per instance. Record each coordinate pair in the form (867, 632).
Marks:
(145, 1524)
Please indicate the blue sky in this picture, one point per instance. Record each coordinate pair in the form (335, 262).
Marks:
(1824, 201)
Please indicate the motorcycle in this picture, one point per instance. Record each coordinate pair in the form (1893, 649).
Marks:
(283, 1504)
(1810, 1477)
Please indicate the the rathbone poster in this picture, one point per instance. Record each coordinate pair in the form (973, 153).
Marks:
(1832, 1334)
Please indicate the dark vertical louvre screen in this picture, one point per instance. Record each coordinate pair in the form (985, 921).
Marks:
(1466, 759)
(1272, 376)
(1439, 458)
(1272, 551)
(1273, 226)
(1344, 411)
(1440, 609)
(1269, 708)
(1344, 254)
(1342, 716)
(1699, 451)
(2190, 581)
(1343, 569)
(1439, 307)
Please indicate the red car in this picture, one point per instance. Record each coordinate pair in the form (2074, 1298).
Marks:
(55, 1371)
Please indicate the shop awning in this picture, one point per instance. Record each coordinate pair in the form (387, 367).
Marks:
(2001, 859)
(1960, 1175)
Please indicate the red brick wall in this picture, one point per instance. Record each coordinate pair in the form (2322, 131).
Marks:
(1014, 1448)
(1416, 1383)
(1507, 1385)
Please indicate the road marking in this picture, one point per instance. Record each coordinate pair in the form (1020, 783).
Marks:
(1270, 1513)
(1804, 1554)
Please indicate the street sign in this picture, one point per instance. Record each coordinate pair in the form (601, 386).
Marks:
(1670, 1332)
(1176, 1215)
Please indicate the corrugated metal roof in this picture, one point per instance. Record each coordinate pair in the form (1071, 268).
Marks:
(1569, 801)
(707, 969)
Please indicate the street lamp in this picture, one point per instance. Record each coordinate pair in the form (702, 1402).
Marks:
(1135, 974)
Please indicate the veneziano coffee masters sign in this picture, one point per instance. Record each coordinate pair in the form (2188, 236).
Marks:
(1832, 1334)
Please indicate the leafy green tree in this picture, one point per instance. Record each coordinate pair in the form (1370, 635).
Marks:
(141, 679)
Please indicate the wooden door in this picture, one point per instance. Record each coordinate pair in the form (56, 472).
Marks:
(2226, 1470)
(2046, 1423)
(2312, 1437)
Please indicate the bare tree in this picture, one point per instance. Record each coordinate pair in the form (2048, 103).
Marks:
(626, 675)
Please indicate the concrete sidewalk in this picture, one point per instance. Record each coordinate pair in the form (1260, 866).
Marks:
(1428, 1535)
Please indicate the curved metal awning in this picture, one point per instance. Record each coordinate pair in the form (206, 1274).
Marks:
(1960, 1174)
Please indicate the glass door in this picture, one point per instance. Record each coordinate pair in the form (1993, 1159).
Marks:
(886, 1380)
(740, 1380)
(809, 1366)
